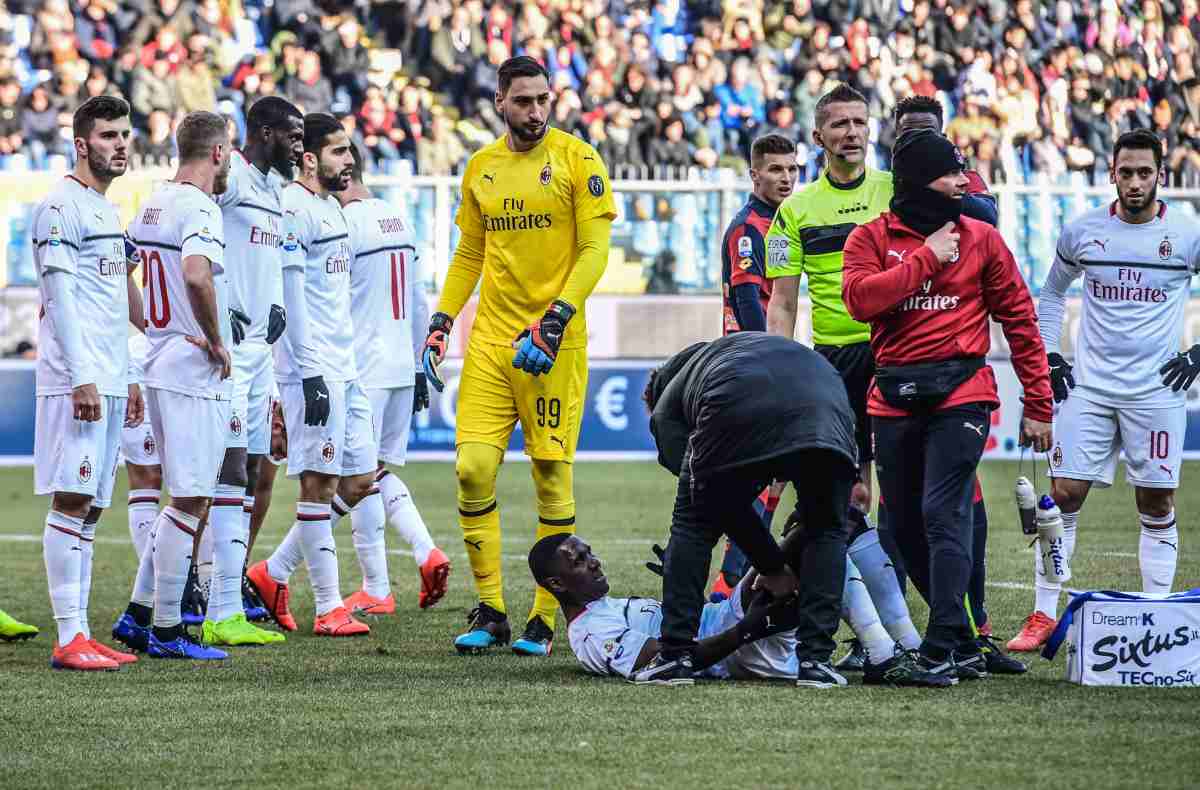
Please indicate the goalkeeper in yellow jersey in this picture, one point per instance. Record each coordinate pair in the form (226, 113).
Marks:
(535, 218)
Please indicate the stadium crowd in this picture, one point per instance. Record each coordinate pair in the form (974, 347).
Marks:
(658, 86)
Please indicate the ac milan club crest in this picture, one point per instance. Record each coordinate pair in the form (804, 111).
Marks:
(85, 470)
(235, 425)
(1164, 249)
(1057, 458)
(148, 445)
(545, 176)
(327, 452)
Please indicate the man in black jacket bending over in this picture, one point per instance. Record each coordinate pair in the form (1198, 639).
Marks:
(730, 417)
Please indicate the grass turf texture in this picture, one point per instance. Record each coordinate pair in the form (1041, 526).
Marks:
(401, 708)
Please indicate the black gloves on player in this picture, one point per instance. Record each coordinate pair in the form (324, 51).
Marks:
(420, 393)
(316, 401)
(656, 567)
(276, 323)
(1182, 369)
(238, 321)
(1061, 379)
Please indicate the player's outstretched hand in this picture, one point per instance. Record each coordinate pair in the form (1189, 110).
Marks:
(537, 346)
(420, 393)
(1039, 435)
(316, 401)
(85, 402)
(1062, 380)
(657, 567)
(238, 321)
(440, 325)
(135, 407)
(218, 354)
(276, 323)
(1182, 369)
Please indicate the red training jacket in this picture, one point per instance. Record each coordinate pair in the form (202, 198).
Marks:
(922, 311)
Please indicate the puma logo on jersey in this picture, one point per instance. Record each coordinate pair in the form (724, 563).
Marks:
(328, 549)
(977, 428)
(475, 544)
(898, 254)
(1103, 245)
(560, 442)
(491, 179)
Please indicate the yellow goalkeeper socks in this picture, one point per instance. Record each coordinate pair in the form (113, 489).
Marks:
(554, 484)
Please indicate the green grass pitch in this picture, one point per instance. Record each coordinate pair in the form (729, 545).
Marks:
(401, 709)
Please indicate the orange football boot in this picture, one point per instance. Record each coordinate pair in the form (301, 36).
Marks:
(1034, 633)
(362, 602)
(435, 575)
(113, 655)
(273, 594)
(79, 654)
(339, 622)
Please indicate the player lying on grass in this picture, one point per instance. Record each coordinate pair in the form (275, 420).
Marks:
(748, 635)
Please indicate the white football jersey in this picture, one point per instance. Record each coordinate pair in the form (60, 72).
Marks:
(323, 250)
(253, 223)
(178, 221)
(76, 229)
(1136, 285)
(138, 348)
(382, 293)
(608, 636)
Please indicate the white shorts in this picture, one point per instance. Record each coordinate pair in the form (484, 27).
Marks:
(77, 457)
(391, 415)
(235, 427)
(772, 657)
(138, 445)
(344, 446)
(1088, 438)
(253, 388)
(191, 434)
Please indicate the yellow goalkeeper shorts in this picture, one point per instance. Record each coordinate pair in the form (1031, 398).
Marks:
(493, 395)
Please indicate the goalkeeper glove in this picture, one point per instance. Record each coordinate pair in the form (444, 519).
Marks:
(1182, 369)
(537, 346)
(435, 348)
(316, 401)
(420, 393)
(276, 323)
(1061, 380)
(238, 321)
(657, 567)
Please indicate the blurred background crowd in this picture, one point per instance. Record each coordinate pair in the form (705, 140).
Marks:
(662, 88)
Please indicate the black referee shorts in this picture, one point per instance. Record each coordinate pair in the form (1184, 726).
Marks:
(856, 364)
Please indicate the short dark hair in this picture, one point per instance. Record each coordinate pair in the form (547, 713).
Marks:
(198, 132)
(273, 112)
(356, 172)
(317, 128)
(841, 94)
(541, 556)
(773, 143)
(105, 108)
(920, 104)
(519, 66)
(1143, 139)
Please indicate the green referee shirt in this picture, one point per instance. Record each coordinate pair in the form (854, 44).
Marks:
(807, 237)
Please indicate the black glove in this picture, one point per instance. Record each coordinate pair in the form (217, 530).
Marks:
(656, 567)
(1182, 369)
(1061, 380)
(238, 321)
(276, 323)
(767, 616)
(316, 401)
(420, 393)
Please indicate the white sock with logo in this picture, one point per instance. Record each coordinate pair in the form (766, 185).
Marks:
(87, 543)
(402, 514)
(316, 541)
(143, 583)
(1046, 593)
(859, 612)
(143, 509)
(204, 562)
(367, 527)
(287, 557)
(1158, 552)
(174, 535)
(229, 553)
(61, 552)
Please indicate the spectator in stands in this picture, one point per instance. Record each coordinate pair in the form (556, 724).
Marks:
(40, 128)
(742, 107)
(155, 147)
(94, 31)
(11, 118)
(454, 50)
(440, 152)
(307, 88)
(154, 88)
(378, 126)
(165, 46)
(97, 84)
(782, 120)
(348, 62)
(668, 151)
(194, 80)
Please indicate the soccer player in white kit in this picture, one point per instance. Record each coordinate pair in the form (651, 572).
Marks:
(331, 444)
(177, 234)
(83, 398)
(390, 315)
(1126, 390)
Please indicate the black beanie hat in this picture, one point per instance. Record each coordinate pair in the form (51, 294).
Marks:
(922, 156)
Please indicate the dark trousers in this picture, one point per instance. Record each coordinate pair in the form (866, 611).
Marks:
(724, 505)
(926, 465)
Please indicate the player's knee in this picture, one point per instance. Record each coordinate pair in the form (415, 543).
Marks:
(1155, 502)
(1069, 495)
(71, 504)
(476, 466)
(233, 468)
(553, 482)
(252, 472)
(145, 477)
(354, 489)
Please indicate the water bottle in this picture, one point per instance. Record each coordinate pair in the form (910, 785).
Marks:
(1026, 505)
(1050, 542)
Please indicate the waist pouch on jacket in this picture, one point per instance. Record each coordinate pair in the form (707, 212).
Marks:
(924, 385)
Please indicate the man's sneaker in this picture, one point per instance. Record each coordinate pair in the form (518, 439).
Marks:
(183, 646)
(663, 671)
(362, 602)
(1034, 633)
(489, 628)
(129, 633)
(818, 675)
(12, 630)
(251, 605)
(120, 657)
(855, 660)
(954, 665)
(273, 594)
(996, 660)
(339, 622)
(79, 654)
(903, 669)
(537, 640)
(193, 605)
(237, 630)
(435, 577)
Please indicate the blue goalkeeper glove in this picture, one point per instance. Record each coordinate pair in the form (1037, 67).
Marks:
(440, 325)
(537, 346)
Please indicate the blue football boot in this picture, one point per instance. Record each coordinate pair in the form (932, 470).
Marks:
(129, 633)
(184, 646)
(251, 605)
(537, 640)
(488, 629)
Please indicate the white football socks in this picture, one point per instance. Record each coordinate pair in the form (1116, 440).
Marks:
(174, 534)
(879, 576)
(402, 514)
(287, 557)
(60, 550)
(204, 562)
(1046, 593)
(225, 524)
(1158, 551)
(316, 543)
(367, 528)
(87, 538)
(859, 612)
(143, 583)
(143, 509)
